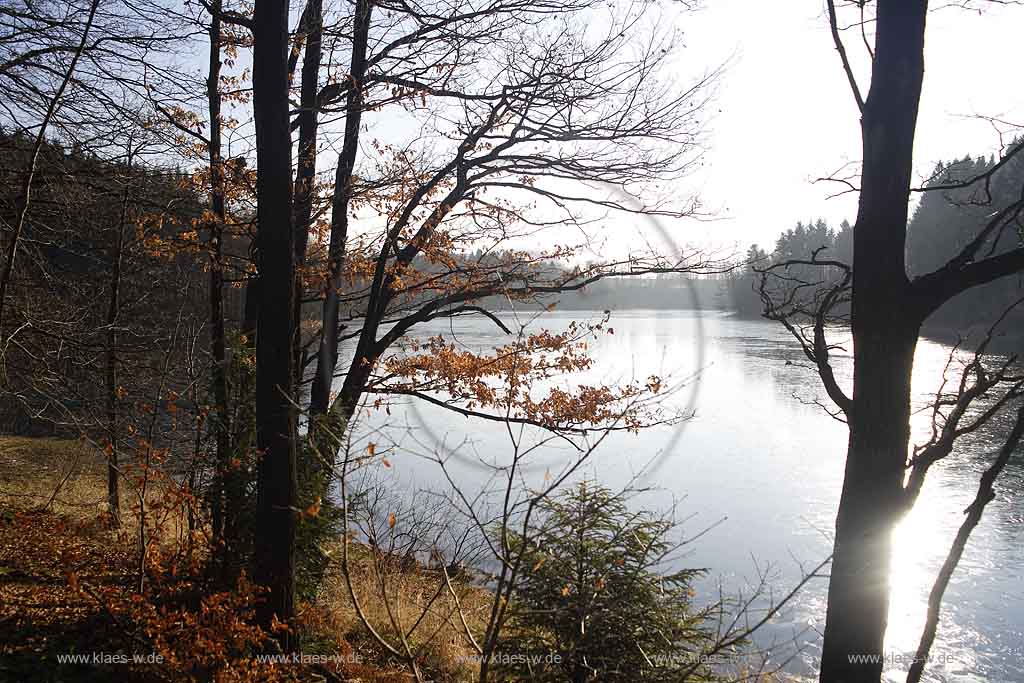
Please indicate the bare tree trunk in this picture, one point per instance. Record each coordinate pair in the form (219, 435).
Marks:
(274, 558)
(858, 595)
(305, 173)
(225, 500)
(251, 307)
(327, 356)
(213, 151)
(113, 308)
(885, 322)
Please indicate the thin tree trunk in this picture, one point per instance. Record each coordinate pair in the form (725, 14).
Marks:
(885, 323)
(213, 151)
(225, 501)
(327, 355)
(305, 173)
(274, 557)
(191, 482)
(251, 307)
(113, 308)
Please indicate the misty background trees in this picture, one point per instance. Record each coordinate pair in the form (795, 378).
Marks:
(956, 203)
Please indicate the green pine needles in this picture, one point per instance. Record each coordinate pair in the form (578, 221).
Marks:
(594, 602)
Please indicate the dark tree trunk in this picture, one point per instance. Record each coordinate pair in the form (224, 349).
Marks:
(227, 487)
(327, 355)
(886, 320)
(305, 173)
(251, 307)
(328, 423)
(113, 309)
(274, 557)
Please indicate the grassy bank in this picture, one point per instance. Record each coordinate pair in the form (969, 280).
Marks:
(70, 584)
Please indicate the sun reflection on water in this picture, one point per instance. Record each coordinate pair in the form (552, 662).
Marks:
(920, 543)
(921, 540)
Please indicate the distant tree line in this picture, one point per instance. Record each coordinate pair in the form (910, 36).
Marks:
(798, 243)
(666, 291)
(951, 215)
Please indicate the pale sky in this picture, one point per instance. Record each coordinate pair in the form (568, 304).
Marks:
(784, 115)
(787, 116)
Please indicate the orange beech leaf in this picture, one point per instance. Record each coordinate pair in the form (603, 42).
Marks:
(278, 626)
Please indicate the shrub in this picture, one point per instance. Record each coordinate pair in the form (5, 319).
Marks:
(592, 602)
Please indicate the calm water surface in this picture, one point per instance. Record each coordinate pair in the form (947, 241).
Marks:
(762, 465)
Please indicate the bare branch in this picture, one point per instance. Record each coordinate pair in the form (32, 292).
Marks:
(841, 49)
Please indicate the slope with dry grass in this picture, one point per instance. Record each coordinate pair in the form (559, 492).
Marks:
(71, 584)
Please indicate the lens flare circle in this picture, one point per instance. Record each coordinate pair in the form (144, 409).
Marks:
(689, 409)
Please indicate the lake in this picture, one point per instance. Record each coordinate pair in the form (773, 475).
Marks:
(759, 466)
